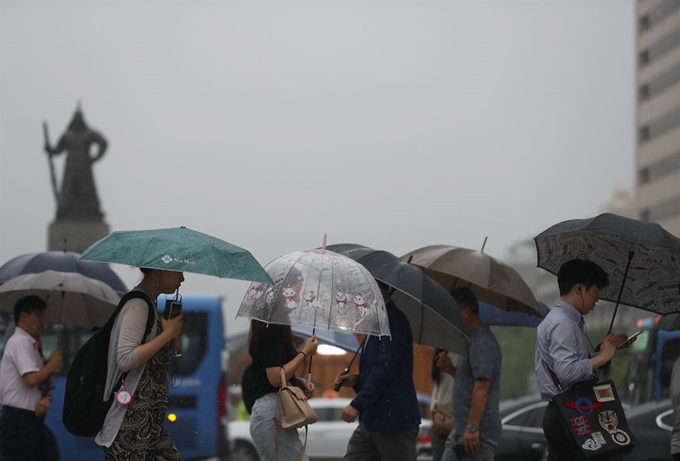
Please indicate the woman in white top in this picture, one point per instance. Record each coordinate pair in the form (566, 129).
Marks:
(136, 431)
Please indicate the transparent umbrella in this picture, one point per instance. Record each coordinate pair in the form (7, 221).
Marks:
(318, 289)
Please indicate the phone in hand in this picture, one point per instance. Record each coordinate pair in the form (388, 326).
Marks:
(459, 451)
(172, 309)
(629, 339)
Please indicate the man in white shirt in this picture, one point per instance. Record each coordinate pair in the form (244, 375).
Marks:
(24, 404)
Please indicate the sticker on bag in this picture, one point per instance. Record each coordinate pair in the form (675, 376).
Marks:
(604, 393)
(581, 425)
(610, 422)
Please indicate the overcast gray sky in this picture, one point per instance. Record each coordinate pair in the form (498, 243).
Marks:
(391, 124)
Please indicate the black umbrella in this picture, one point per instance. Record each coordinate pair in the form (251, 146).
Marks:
(433, 314)
(641, 258)
(60, 261)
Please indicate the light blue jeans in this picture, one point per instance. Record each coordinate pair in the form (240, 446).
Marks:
(263, 431)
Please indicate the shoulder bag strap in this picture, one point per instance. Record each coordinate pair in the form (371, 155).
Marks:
(284, 382)
(276, 440)
(554, 378)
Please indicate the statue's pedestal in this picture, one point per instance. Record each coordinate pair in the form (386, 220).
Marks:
(79, 234)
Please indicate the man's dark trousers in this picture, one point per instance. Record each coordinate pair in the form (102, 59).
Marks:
(393, 445)
(22, 435)
(560, 445)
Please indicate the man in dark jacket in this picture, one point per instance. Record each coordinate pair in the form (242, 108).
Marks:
(386, 402)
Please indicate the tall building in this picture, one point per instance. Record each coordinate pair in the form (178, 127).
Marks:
(658, 113)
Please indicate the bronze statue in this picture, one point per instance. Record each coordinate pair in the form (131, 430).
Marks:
(77, 200)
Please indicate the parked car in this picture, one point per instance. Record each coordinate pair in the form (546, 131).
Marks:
(523, 438)
(651, 423)
(327, 437)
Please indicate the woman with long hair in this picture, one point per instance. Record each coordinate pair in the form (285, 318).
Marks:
(135, 430)
(271, 347)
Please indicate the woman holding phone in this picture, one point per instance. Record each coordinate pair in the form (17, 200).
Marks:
(134, 429)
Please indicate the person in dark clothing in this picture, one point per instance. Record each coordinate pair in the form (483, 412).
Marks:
(386, 402)
(271, 347)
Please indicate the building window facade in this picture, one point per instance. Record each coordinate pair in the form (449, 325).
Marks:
(660, 47)
(666, 209)
(660, 125)
(660, 169)
(655, 15)
(662, 82)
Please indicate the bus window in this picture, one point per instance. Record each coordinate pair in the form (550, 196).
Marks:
(194, 344)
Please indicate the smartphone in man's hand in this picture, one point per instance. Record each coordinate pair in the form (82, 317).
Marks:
(629, 339)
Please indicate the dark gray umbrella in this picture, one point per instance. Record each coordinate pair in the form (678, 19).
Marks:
(641, 258)
(61, 261)
(433, 314)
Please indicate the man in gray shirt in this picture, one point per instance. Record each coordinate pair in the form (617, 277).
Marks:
(476, 390)
(562, 348)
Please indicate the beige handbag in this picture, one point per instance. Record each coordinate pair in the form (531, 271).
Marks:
(442, 419)
(295, 409)
(295, 412)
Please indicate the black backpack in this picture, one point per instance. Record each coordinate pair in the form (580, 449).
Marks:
(84, 406)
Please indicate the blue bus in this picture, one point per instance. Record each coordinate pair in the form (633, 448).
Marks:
(653, 357)
(196, 416)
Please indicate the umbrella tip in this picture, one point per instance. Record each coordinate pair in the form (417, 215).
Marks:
(65, 245)
(484, 244)
(323, 247)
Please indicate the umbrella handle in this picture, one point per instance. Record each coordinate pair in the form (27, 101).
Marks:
(336, 387)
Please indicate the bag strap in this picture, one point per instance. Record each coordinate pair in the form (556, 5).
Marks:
(134, 294)
(557, 381)
(276, 440)
(284, 381)
(554, 378)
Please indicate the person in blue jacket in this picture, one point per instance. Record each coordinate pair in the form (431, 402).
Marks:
(386, 402)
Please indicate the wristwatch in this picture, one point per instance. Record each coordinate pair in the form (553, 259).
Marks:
(472, 428)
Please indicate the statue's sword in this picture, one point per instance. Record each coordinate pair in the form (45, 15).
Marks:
(51, 162)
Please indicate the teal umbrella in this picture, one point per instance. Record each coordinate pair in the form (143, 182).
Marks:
(177, 249)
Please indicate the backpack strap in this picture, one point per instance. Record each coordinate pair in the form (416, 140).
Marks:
(134, 294)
